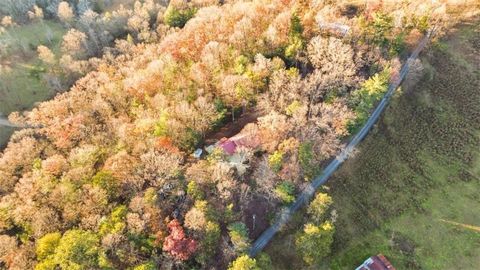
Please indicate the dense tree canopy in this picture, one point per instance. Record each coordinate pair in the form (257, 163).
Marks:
(105, 178)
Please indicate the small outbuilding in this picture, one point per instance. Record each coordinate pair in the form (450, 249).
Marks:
(378, 262)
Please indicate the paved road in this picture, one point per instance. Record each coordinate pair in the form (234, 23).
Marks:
(4, 122)
(309, 191)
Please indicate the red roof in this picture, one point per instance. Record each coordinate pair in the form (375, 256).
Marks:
(378, 262)
(228, 146)
(246, 140)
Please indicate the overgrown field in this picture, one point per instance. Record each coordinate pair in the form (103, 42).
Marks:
(414, 175)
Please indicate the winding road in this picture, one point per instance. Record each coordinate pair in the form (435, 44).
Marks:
(309, 191)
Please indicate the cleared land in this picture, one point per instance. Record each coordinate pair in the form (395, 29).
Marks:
(414, 175)
(20, 77)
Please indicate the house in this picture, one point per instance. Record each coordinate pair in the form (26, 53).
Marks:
(378, 262)
(229, 146)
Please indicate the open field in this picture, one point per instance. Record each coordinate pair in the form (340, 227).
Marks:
(414, 175)
(19, 87)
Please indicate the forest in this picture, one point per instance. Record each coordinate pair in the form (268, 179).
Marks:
(126, 166)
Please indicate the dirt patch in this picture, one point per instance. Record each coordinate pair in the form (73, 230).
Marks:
(232, 128)
(255, 216)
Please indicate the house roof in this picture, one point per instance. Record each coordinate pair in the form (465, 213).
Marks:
(228, 146)
(246, 140)
(378, 262)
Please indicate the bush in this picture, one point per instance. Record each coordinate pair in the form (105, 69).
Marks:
(397, 45)
(380, 28)
(194, 191)
(78, 249)
(363, 100)
(146, 266)
(275, 161)
(209, 242)
(106, 181)
(319, 206)
(47, 244)
(295, 38)
(314, 242)
(238, 233)
(189, 140)
(264, 261)
(244, 263)
(293, 107)
(285, 191)
(178, 18)
(115, 223)
(306, 160)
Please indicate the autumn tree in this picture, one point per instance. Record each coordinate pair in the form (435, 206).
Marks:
(76, 249)
(238, 233)
(244, 263)
(177, 243)
(314, 242)
(65, 12)
(317, 209)
(46, 55)
(177, 16)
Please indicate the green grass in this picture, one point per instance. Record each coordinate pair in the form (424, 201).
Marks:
(420, 164)
(418, 239)
(19, 89)
(26, 38)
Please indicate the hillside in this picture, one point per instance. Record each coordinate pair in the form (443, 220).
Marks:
(127, 170)
(411, 190)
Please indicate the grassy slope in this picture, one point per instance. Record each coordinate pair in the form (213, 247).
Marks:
(18, 89)
(421, 164)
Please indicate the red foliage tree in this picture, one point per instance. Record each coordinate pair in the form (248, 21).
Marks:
(177, 244)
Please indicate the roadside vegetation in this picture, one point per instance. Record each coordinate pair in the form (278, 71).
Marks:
(115, 173)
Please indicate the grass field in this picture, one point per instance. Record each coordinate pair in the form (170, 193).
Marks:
(19, 89)
(412, 191)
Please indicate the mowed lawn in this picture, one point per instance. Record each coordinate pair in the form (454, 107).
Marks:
(412, 192)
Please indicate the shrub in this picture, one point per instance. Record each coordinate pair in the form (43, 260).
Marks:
(194, 191)
(293, 107)
(146, 266)
(275, 161)
(178, 18)
(319, 206)
(161, 127)
(363, 100)
(295, 38)
(264, 261)
(285, 191)
(115, 223)
(209, 242)
(306, 160)
(47, 244)
(314, 242)
(397, 45)
(244, 263)
(77, 249)
(106, 181)
(238, 233)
